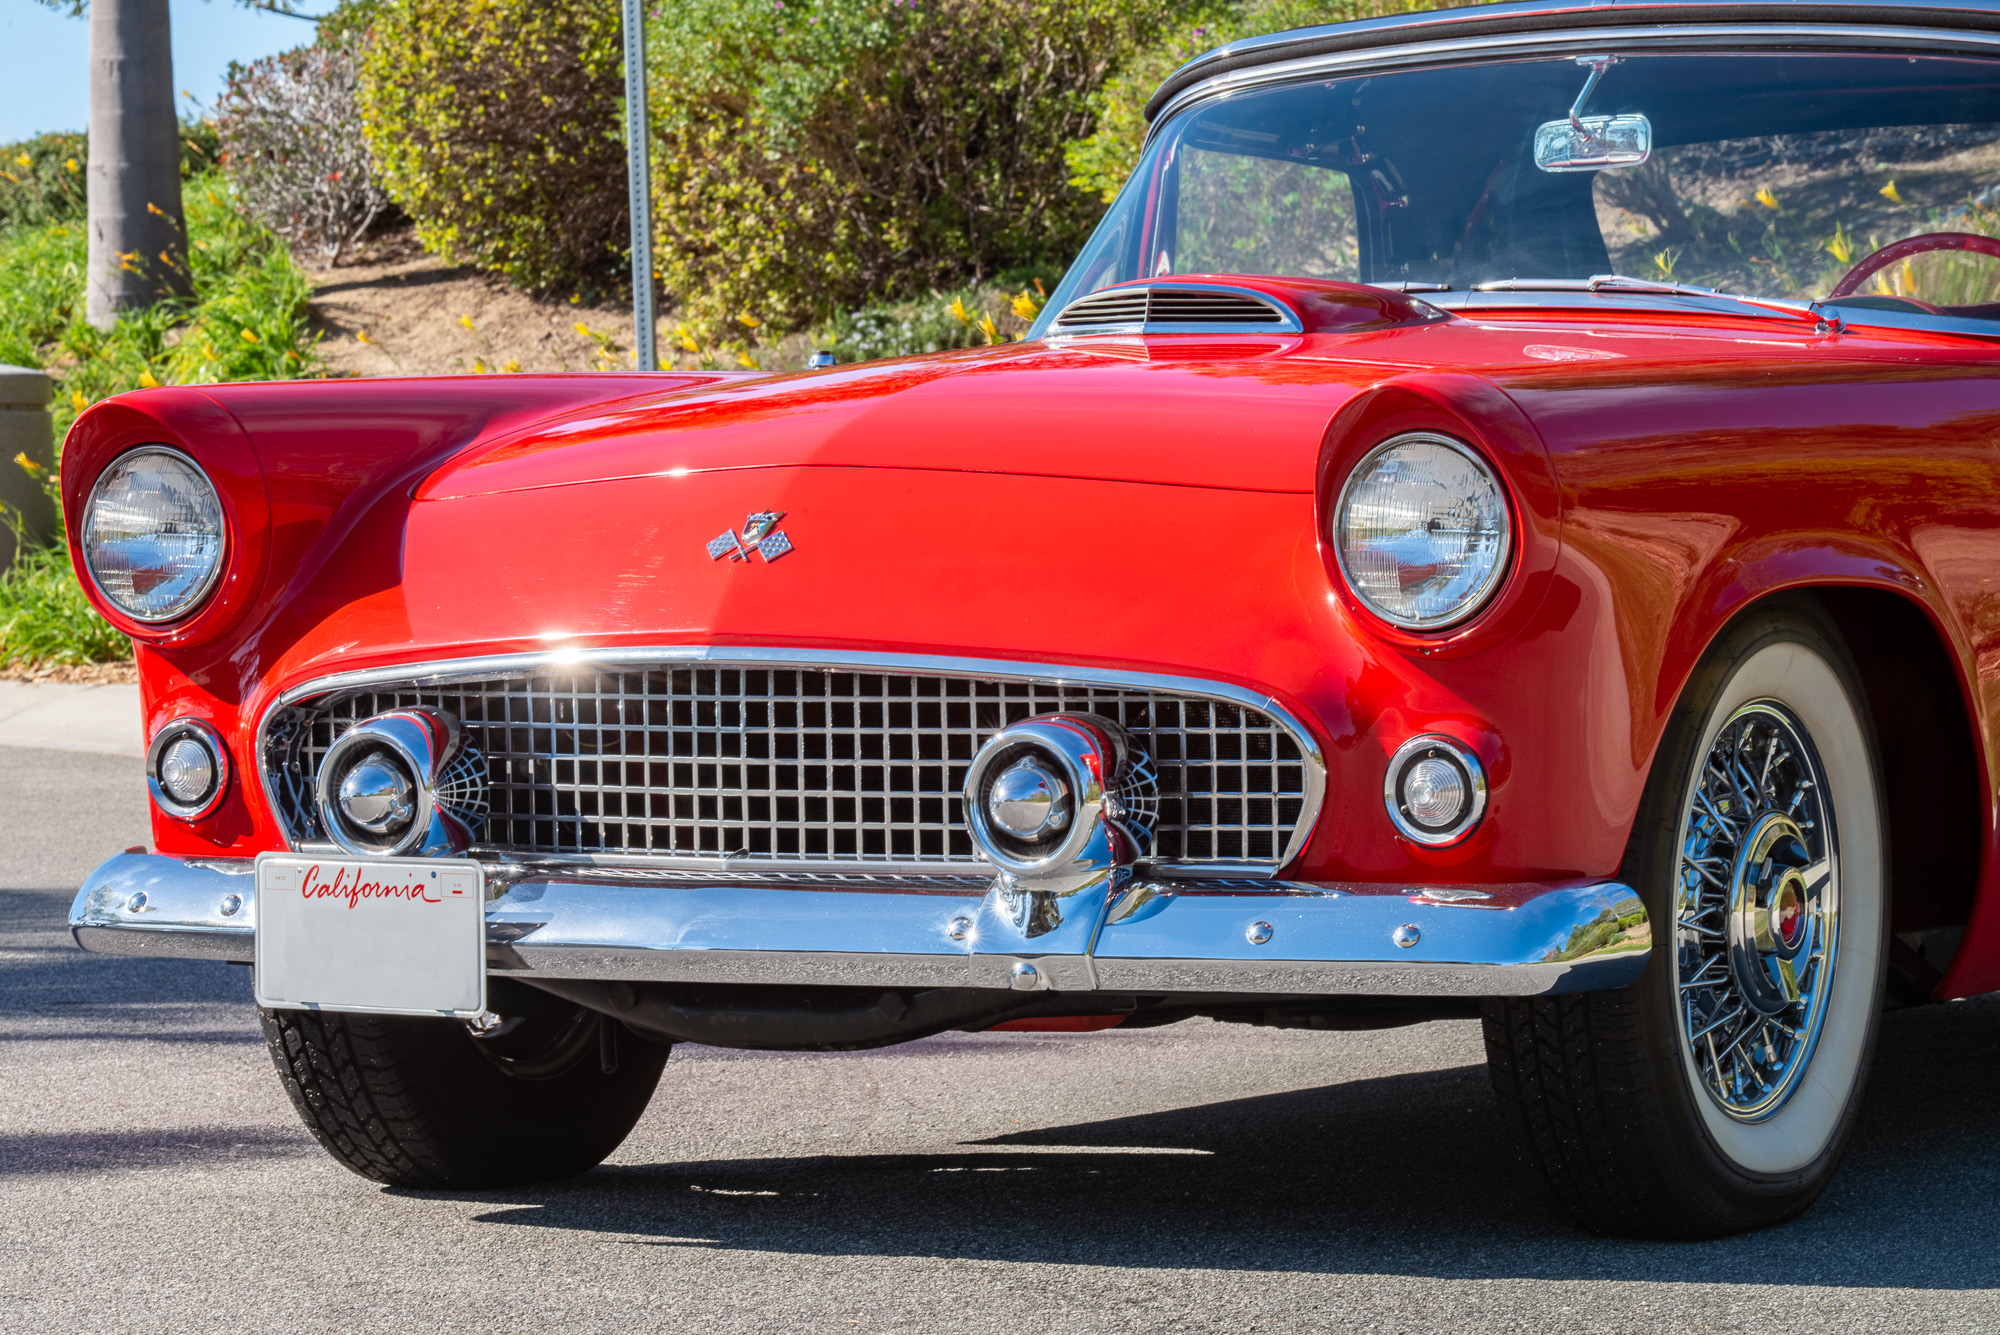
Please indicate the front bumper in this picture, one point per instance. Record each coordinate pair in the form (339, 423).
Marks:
(1150, 936)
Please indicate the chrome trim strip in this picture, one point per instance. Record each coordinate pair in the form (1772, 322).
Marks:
(1725, 305)
(1622, 39)
(1159, 936)
(450, 671)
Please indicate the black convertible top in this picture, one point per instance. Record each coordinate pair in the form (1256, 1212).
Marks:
(1526, 16)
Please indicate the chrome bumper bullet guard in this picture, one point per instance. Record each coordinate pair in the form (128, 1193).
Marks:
(1139, 936)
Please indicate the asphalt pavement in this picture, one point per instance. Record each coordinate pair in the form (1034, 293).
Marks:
(1200, 1177)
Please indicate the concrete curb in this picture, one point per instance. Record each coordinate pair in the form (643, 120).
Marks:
(55, 716)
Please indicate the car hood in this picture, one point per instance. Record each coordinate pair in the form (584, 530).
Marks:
(1244, 413)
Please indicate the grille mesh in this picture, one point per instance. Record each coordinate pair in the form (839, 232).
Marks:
(801, 764)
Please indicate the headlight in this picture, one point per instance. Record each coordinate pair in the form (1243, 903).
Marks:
(1421, 531)
(152, 534)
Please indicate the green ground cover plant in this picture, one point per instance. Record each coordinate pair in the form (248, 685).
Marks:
(247, 321)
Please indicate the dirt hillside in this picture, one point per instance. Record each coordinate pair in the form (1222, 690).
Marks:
(391, 309)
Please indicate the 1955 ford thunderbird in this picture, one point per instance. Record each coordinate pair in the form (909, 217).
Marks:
(1502, 519)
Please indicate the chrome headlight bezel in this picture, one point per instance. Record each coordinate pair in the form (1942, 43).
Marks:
(190, 603)
(1489, 583)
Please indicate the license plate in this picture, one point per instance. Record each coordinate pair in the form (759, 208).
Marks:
(395, 936)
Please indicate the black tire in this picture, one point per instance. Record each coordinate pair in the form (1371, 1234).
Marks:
(1607, 1090)
(418, 1102)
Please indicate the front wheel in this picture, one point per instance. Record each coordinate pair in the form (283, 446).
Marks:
(1717, 1092)
(417, 1102)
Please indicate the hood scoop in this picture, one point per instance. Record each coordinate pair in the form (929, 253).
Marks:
(1160, 308)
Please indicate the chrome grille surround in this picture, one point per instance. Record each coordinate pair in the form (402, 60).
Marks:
(1171, 308)
(795, 760)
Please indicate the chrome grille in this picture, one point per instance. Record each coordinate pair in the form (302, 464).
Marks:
(801, 764)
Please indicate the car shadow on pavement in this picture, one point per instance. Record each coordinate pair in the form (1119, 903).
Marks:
(1409, 1174)
(53, 1152)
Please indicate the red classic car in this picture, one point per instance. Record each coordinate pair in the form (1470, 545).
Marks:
(1501, 520)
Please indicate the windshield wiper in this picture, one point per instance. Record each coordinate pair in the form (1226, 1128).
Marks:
(1614, 284)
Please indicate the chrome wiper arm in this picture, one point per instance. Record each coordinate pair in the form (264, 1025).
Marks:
(1613, 284)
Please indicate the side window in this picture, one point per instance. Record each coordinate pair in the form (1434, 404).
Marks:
(1255, 215)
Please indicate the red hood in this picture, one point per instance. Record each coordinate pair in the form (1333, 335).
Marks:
(1245, 413)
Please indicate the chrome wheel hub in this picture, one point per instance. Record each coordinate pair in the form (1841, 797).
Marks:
(1758, 894)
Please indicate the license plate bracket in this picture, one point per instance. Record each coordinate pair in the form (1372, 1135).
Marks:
(387, 936)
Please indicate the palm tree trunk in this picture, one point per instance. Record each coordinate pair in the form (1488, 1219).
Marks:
(137, 237)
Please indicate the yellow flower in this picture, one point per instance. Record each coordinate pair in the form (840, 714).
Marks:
(1889, 193)
(71, 164)
(686, 338)
(29, 466)
(1027, 307)
(361, 336)
(465, 320)
(748, 321)
(987, 328)
(250, 336)
(1767, 198)
(958, 311)
(155, 210)
(10, 176)
(77, 400)
(478, 366)
(744, 359)
(213, 200)
(25, 160)
(1840, 245)
(512, 366)
(581, 328)
(147, 380)
(575, 297)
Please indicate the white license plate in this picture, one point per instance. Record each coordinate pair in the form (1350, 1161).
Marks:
(398, 936)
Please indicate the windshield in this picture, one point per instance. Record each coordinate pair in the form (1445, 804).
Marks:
(1770, 175)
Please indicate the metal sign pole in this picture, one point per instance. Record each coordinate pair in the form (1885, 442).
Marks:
(638, 174)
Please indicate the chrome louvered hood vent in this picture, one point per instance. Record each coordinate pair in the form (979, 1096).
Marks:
(1165, 308)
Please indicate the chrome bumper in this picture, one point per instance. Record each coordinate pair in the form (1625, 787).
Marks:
(861, 931)
(898, 932)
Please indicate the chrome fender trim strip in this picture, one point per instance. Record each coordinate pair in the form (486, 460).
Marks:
(1158, 936)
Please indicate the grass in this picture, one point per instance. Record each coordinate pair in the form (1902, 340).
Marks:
(247, 321)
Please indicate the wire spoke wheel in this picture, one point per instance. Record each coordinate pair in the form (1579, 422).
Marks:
(1756, 912)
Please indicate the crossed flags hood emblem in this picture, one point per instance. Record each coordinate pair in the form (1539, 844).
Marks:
(760, 535)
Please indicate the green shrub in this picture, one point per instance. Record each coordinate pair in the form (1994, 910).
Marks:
(495, 124)
(41, 179)
(247, 321)
(1100, 161)
(811, 156)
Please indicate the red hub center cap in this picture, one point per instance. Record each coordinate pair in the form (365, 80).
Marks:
(1788, 917)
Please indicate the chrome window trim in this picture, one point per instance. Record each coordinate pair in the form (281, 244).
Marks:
(451, 671)
(1833, 36)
